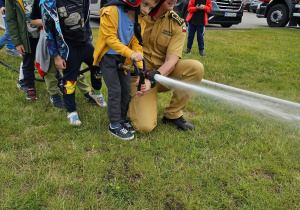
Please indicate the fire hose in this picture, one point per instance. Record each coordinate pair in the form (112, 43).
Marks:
(97, 75)
(142, 73)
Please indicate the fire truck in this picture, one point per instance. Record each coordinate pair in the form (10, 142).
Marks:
(279, 12)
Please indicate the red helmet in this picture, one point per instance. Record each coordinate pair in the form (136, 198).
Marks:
(133, 3)
(154, 11)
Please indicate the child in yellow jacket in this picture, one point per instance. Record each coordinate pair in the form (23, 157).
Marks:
(116, 44)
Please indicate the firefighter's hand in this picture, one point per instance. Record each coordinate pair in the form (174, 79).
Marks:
(136, 56)
(150, 74)
(144, 88)
(59, 62)
(20, 48)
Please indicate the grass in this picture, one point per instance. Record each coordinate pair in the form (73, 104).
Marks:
(236, 159)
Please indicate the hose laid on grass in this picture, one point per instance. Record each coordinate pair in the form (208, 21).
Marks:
(42, 80)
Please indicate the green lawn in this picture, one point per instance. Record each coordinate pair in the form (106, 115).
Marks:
(236, 158)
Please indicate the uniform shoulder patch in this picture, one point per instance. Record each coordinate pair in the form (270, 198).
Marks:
(176, 17)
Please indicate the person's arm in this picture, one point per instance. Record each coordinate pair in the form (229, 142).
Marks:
(37, 22)
(50, 30)
(89, 29)
(191, 7)
(2, 10)
(207, 7)
(169, 65)
(36, 16)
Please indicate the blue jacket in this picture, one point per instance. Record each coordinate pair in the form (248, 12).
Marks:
(55, 40)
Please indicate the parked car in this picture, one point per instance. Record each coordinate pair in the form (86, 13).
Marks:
(253, 5)
(224, 12)
(246, 5)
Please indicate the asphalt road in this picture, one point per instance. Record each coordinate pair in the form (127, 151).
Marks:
(249, 20)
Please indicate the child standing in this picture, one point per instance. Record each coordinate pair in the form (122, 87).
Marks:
(116, 42)
(69, 40)
(24, 38)
(47, 68)
(197, 19)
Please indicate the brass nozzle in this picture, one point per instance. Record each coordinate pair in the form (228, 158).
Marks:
(126, 67)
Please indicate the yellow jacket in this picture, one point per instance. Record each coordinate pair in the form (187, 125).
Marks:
(108, 37)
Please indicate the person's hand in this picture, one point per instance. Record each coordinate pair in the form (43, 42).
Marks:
(199, 7)
(2, 10)
(59, 62)
(144, 88)
(20, 48)
(136, 56)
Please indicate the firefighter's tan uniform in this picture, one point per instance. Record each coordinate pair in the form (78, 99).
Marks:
(164, 36)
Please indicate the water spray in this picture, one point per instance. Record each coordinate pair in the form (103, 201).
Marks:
(284, 109)
(258, 102)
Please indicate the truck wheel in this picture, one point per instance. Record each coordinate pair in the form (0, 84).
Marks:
(278, 16)
(226, 25)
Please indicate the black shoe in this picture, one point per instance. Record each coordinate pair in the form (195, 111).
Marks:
(21, 85)
(89, 98)
(31, 95)
(121, 132)
(202, 54)
(187, 52)
(126, 124)
(180, 123)
(56, 101)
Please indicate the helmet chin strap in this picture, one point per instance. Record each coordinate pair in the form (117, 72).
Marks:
(137, 26)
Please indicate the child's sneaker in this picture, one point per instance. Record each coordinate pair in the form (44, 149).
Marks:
(73, 118)
(89, 98)
(98, 98)
(121, 132)
(30, 94)
(56, 101)
(187, 52)
(126, 124)
(21, 85)
(12, 52)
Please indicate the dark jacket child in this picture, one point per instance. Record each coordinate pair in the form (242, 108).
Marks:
(24, 38)
(197, 19)
(47, 68)
(69, 37)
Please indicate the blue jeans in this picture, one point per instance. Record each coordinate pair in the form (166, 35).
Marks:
(28, 64)
(5, 40)
(200, 33)
(77, 55)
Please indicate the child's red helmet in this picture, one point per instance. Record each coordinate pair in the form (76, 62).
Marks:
(154, 11)
(133, 3)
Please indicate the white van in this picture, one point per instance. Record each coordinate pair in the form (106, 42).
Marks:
(95, 7)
